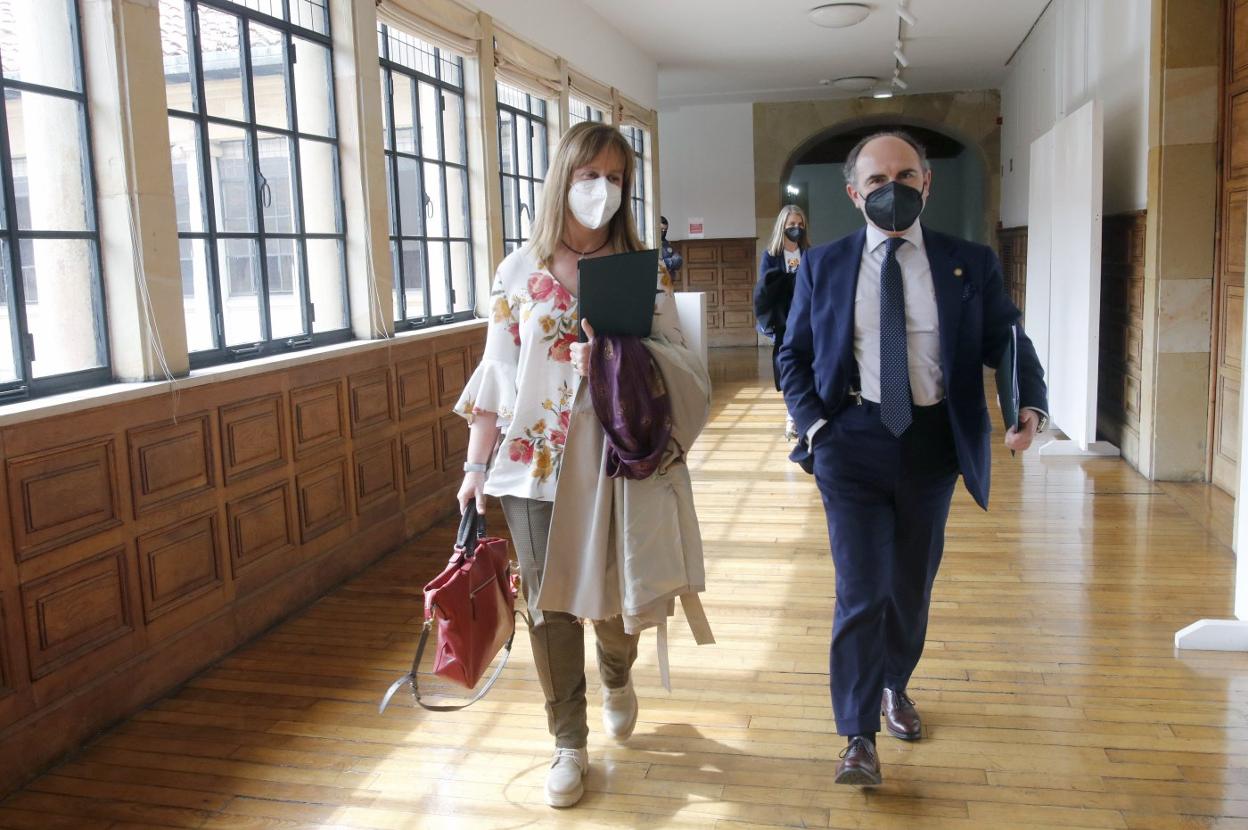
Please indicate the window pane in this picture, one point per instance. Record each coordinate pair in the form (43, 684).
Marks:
(233, 191)
(414, 279)
(385, 109)
(277, 184)
(394, 219)
(311, 14)
(461, 275)
(321, 199)
(327, 281)
(8, 361)
(175, 47)
(539, 150)
(510, 225)
(268, 73)
(411, 198)
(454, 144)
(527, 208)
(313, 90)
(273, 8)
(61, 316)
(41, 47)
(506, 154)
(435, 214)
(457, 201)
(523, 167)
(239, 261)
(188, 182)
(45, 137)
(196, 295)
(439, 301)
(429, 116)
(285, 288)
(220, 46)
(404, 114)
(396, 285)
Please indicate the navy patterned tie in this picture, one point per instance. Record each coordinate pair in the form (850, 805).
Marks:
(895, 407)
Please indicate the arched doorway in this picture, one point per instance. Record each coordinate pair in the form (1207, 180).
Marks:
(814, 180)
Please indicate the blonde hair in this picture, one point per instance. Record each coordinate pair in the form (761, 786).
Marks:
(776, 244)
(579, 146)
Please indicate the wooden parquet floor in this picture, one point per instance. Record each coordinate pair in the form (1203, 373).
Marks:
(1050, 688)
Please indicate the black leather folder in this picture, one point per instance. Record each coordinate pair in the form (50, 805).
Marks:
(616, 293)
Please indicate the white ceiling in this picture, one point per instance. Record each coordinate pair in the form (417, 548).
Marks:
(768, 50)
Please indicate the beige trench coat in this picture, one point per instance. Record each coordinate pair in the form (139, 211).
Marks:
(631, 548)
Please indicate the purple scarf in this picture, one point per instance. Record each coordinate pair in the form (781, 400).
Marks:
(631, 403)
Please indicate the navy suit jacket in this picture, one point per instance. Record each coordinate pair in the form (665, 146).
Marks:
(817, 364)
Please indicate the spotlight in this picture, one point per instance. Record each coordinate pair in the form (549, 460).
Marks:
(899, 83)
(882, 93)
(905, 15)
(901, 57)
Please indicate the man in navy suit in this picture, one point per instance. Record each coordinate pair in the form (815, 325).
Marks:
(882, 369)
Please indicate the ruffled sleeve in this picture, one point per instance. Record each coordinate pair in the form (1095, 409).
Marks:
(492, 387)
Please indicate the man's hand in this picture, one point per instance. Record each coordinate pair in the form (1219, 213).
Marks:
(1019, 439)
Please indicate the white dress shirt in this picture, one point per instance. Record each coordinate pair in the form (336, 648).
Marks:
(927, 381)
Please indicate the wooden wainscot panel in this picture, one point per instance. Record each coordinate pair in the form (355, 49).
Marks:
(697, 254)
(62, 495)
(76, 611)
(452, 374)
(322, 495)
(181, 564)
(14, 701)
(261, 529)
(738, 298)
(253, 437)
(317, 417)
(476, 352)
(737, 253)
(415, 382)
(376, 475)
(453, 441)
(739, 276)
(371, 403)
(170, 462)
(420, 457)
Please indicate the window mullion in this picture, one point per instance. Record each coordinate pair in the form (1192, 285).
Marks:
(16, 285)
(253, 145)
(206, 172)
(296, 186)
(446, 208)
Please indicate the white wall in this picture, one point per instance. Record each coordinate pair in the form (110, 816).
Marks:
(572, 30)
(1080, 49)
(706, 167)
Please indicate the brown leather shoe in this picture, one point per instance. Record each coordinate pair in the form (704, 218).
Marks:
(901, 719)
(859, 764)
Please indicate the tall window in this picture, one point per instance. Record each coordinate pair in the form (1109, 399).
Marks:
(522, 160)
(637, 140)
(51, 295)
(579, 111)
(427, 180)
(255, 171)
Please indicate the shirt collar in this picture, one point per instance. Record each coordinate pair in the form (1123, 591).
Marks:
(913, 235)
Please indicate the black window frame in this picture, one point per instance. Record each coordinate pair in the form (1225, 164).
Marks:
(396, 235)
(580, 110)
(636, 137)
(26, 385)
(212, 236)
(531, 182)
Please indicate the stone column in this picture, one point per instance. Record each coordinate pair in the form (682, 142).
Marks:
(134, 180)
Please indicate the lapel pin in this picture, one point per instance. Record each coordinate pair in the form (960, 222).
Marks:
(957, 272)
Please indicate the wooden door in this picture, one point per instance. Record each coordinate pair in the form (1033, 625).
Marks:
(724, 269)
(1229, 278)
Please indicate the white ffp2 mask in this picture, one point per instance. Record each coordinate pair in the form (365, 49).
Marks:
(594, 201)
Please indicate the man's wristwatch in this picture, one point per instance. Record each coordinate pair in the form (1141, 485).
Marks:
(476, 468)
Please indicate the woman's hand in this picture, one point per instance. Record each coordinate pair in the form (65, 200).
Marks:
(581, 351)
(472, 488)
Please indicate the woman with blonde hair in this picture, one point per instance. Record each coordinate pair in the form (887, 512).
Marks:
(773, 293)
(530, 386)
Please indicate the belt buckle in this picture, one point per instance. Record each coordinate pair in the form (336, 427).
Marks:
(856, 394)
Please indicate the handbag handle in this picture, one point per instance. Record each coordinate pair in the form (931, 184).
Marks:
(471, 524)
(411, 677)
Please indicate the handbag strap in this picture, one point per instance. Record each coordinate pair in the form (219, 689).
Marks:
(471, 525)
(411, 677)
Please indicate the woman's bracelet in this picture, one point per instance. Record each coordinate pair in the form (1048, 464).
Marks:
(476, 468)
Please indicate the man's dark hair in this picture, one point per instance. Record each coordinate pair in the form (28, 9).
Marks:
(662, 220)
(851, 162)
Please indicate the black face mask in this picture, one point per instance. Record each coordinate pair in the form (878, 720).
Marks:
(894, 207)
(794, 234)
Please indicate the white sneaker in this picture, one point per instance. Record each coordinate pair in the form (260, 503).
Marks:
(564, 786)
(619, 711)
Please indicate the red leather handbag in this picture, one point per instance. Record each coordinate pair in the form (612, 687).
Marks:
(472, 603)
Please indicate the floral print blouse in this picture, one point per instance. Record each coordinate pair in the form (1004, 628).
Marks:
(526, 374)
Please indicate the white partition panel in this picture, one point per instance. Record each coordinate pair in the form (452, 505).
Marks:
(691, 309)
(1075, 287)
(1039, 245)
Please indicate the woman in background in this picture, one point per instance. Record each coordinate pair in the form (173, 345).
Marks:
(773, 293)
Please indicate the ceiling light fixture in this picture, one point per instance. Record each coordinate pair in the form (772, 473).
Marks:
(856, 83)
(905, 15)
(882, 93)
(839, 15)
(901, 57)
(900, 84)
